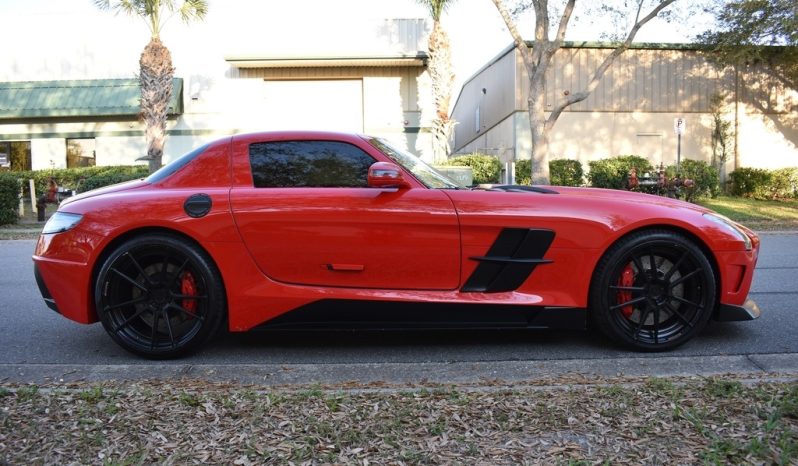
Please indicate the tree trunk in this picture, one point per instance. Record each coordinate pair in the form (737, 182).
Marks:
(156, 93)
(540, 132)
(442, 78)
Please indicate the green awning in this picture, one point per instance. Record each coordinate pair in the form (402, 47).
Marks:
(82, 98)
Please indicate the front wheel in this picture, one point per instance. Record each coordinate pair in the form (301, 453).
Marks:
(159, 296)
(652, 291)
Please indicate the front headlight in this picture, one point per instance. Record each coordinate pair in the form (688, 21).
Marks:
(731, 227)
(61, 222)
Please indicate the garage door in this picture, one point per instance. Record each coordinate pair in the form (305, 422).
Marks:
(314, 105)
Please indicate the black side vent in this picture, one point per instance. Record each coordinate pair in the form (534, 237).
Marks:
(510, 260)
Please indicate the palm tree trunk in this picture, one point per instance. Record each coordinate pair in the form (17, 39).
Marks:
(156, 92)
(442, 78)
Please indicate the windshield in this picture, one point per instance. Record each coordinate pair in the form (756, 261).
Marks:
(427, 175)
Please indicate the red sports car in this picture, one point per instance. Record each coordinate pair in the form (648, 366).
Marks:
(320, 229)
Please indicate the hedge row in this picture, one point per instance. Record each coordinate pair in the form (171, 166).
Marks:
(610, 173)
(765, 184)
(563, 172)
(9, 198)
(79, 179)
(486, 168)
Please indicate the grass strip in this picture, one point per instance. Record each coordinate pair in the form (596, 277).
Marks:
(756, 214)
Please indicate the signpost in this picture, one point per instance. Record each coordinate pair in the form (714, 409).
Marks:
(679, 127)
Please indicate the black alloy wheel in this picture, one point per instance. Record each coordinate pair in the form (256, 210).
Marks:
(159, 296)
(652, 291)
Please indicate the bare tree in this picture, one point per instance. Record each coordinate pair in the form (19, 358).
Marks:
(537, 56)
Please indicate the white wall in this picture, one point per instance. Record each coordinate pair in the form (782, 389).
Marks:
(97, 45)
(50, 153)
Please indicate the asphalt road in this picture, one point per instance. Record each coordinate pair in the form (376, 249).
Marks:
(31, 334)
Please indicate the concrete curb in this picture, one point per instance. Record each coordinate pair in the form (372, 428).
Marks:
(408, 374)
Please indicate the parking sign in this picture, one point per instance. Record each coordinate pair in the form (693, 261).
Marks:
(679, 125)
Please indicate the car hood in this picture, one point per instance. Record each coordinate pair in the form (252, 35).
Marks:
(627, 197)
(126, 186)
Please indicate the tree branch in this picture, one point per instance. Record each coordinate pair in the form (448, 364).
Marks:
(566, 16)
(520, 44)
(541, 33)
(593, 83)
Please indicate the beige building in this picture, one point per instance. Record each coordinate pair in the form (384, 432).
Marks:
(632, 111)
(74, 102)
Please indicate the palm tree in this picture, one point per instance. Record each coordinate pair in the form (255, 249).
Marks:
(442, 77)
(156, 70)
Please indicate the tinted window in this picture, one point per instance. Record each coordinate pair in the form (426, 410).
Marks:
(308, 164)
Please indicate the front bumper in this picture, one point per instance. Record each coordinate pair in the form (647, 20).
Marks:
(48, 298)
(733, 313)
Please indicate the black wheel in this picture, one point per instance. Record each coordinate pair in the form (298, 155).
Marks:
(159, 296)
(652, 291)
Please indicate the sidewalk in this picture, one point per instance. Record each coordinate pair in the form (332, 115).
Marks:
(393, 375)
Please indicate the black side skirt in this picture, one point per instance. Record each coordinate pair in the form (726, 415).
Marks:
(350, 314)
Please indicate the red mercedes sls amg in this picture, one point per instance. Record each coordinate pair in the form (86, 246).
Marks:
(298, 229)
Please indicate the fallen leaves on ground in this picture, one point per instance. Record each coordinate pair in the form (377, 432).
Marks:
(615, 421)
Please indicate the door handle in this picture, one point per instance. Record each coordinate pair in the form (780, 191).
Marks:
(346, 267)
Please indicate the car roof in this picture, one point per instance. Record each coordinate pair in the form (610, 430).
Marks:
(298, 134)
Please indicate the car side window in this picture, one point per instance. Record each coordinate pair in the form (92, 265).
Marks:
(287, 164)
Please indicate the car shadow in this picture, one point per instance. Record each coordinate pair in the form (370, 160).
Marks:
(343, 346)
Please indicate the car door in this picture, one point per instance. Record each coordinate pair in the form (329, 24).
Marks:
(308, 217)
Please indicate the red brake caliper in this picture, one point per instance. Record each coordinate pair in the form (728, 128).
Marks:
(627, 279)
(188, 287)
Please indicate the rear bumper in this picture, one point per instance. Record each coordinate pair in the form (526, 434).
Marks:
(733, 313)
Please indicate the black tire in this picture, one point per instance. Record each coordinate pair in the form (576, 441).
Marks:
(652, 308)
(159, 296)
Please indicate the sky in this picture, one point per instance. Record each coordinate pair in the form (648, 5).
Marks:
(477, 31)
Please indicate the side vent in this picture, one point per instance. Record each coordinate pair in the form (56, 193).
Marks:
(510, 261)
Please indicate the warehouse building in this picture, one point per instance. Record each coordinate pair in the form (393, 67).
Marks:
(632, 111)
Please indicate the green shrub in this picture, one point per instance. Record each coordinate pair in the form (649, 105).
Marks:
(9, 198)
(100, 181)
(750, 182)
(613, 172)
(75, 178)
(565, 172)
(486, 168)
(705, 176)
(765, 184)
(783, 183)
(523, 172)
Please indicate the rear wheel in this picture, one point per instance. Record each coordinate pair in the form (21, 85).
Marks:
(159, 296)
(652, 291)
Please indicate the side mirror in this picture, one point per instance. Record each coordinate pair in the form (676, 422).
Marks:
(386, 175)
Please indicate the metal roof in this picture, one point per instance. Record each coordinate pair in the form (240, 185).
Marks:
(81, 98)
(418, 59)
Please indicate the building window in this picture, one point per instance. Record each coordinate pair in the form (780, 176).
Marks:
(81, 153)
(287, 164)
(15, 155)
